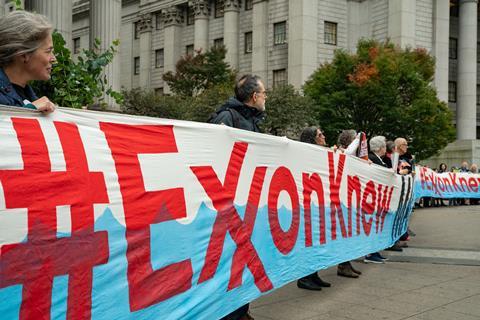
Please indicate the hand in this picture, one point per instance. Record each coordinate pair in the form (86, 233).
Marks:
(44, 105)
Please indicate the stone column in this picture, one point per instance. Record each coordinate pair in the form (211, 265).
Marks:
(467, 71)
(2, 8)
(441, 22)
(302, 40)
(259, 39)
(230, 31)
(173, 20)
(201, 11)
(359, 22)
(105, 18)
(145, 29)
(59, 12)
(401, 22)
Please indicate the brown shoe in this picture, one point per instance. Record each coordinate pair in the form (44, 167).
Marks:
(246, 316)
(346, 271)
(355, 270)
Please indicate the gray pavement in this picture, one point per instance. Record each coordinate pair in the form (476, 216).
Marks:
(436, 277)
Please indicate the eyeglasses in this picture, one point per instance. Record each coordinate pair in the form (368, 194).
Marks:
(263, 92)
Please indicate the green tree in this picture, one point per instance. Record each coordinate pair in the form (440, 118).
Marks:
(382, 90)
(196, 73)
(78, 83)
(288, 112)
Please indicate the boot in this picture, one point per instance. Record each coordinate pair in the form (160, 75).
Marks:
(346, 270)
(319, 281)
(355, 270)
(308, 283)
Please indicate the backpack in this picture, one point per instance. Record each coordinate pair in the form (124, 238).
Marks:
(234, 113)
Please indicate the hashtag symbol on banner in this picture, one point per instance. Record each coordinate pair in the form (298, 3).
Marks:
(35, 262)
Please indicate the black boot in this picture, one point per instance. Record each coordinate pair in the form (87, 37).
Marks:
(308, 283)
(319, 281)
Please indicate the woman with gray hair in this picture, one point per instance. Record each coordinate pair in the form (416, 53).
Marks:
(26, 54)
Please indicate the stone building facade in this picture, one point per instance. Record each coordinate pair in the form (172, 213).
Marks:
(283, 41)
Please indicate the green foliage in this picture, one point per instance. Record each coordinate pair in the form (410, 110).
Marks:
(18, 4)
(144, 102)
(78, 83)
(288, 112)
(199, 72)
(382, 90)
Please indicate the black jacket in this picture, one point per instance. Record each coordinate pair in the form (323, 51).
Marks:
(238, 115)
(375, 159)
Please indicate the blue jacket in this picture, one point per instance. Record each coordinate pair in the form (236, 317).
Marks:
(9, 96)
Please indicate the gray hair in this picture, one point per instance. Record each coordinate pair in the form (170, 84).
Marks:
(21, 32)
(377, 143)
(246, 86)
(346, 137)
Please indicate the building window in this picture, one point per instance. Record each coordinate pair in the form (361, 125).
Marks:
(136, 34)
(248, 4)
(478, 95)
(452, 48)
(219, 6)
(330, 33)
(248, 42)
(158, 21)
(452, 91)
(159, 91)
(189, 50)
(279, 78)
(76, 45)
(280, 33)
(159, 58)
(454, 8)
(136, 65)
(217, 43)
(190, 16)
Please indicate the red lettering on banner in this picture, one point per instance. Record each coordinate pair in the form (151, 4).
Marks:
(354, 186)
(473, 184)
(142, 208)
(239, 262)
(423, 177)
(383, 206)
(310, 184)
(368, 207)
(282, 180)
(228, 220)
(463, 184)
(453, 179)
(43, 256)
(335, 204)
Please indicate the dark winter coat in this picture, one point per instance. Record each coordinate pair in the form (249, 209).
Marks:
(238, 115)
(10, 97)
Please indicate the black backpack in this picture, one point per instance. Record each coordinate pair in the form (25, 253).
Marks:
(234, 113)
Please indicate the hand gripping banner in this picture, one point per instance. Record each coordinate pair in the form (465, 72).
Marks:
(107, 216)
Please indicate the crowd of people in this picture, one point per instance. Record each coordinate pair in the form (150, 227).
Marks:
(26, 54)
(427, 202)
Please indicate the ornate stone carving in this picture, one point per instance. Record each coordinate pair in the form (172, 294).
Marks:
(172, 16)
(145, 23)
(232, 5)
(200, 8)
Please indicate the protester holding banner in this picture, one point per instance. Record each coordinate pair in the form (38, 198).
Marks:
(244, 111)
(312, 135)
(378, 148)
(26, 54)
(348, 142)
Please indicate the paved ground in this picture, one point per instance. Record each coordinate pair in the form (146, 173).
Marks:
(439, 278)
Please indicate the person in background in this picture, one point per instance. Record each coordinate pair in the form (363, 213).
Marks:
(244, 111)
(26, 54)
(348, 142)
(387, 158)
(312, 135)
(378, 148)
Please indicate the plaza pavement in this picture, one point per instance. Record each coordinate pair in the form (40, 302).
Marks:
(436, 278)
